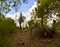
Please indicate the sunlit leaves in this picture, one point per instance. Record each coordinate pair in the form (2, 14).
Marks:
(46, 8)
(4, 7)
(3, 0)
(57, 25)
(16, 3)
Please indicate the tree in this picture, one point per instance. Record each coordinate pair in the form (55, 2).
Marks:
(4, 7)
(21, 19)
(46, 8)
(34, 20)
(41, 12)
(7, 25)
(16, 6)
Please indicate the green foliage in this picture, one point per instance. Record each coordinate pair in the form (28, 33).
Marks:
(31, 24)
(51, 45)
(3, 0)
(3, 43)
(42, 12)
(7, 25)
(16, 3)
(57, 25)
(46, 8)
(5, 5)
(34, 22)
(1, 16)
(7, 29)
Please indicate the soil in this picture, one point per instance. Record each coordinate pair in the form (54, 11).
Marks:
(24, 38)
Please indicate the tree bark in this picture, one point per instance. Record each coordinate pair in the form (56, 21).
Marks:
(42, 21)
(20, 26)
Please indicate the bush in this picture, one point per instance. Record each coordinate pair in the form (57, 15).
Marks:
(7, 28)
(51, 45)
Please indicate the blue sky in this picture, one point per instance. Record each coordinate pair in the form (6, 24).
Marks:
(24, 7)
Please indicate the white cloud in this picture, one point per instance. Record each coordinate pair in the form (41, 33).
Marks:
(34, 6)
(27, 14)
(16, 16)
(10, 16)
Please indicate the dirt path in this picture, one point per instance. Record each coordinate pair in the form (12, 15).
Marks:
(23, 39)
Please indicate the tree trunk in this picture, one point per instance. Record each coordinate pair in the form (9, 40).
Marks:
(42, 21)
(20, 26)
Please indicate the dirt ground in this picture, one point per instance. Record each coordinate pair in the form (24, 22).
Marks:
(24, 38)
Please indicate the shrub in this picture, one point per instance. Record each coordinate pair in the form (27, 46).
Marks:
(7, 29)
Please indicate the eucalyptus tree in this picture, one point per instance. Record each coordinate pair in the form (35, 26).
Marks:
(1, 3)
(4, 6)
(17, 4)
(46, 8)
(41, 11)
(21, 19)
